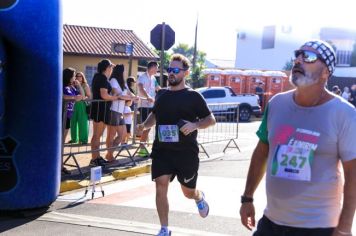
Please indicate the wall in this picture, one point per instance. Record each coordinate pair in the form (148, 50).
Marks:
(250, 55)
(80, 62)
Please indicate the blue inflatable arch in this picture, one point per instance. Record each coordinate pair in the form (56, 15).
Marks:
(30, 103)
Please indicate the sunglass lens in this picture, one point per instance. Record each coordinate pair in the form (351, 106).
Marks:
(173, 70)
(307, 56)
(310, 56)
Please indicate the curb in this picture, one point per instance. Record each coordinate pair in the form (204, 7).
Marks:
(123, 174)
(70, 185)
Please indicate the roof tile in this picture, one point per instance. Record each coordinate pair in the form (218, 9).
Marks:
(85, 40)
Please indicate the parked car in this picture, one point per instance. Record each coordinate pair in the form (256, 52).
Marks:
(248, 104)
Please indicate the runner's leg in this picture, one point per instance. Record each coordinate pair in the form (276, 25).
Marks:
(162, 204)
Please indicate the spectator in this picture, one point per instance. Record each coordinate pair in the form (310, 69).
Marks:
(131, 84)
(128, 114)
(117, 125)
(346, 94)
(336, 90)
(147, 88)
(353, 95)
(259, 92)
(100, 110)
(79, 121)
(70, 95)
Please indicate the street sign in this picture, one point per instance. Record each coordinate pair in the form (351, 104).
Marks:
(129, 48)
(156, 37)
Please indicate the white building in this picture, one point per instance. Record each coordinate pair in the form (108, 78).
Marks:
(272, 47)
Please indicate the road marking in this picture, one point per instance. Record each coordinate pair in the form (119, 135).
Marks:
(116, 224)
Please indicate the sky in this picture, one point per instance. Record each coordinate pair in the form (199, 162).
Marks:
(218, 21)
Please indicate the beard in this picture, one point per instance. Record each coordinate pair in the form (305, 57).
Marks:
(173, 81)
(305, 79)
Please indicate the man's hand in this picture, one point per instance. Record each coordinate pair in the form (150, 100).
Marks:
(188, 128)
(149, 99)
(140, 127)
(247, 213)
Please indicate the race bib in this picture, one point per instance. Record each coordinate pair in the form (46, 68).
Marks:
(168, 133)
(292, 163)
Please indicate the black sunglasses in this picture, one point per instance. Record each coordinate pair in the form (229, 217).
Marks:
(174, 70)
(308, 56)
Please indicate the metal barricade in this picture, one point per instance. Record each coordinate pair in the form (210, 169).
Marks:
(225, 129)
(90, 111)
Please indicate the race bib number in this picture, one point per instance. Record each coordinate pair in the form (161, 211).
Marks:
(168, 133)
(292, 163)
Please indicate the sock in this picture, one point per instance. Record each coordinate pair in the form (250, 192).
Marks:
(165, 228)
(200, 195)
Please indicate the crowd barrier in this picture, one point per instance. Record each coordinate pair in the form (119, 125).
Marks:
(226, 129)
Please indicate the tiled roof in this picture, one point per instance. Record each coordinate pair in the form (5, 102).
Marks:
(84, 40)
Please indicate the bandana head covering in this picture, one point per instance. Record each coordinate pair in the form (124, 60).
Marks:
(326, 51)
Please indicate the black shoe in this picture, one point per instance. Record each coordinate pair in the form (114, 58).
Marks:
(99, 161)
(65, 171)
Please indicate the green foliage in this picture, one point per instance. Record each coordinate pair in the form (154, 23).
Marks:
(288, 65)
(166, 57)
(195, 79)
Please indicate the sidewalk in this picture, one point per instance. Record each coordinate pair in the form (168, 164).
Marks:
(126, 165)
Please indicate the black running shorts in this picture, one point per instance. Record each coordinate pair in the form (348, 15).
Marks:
(184, 165)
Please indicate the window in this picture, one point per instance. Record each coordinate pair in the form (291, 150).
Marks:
(235, 80)
(216, 93)
(89, 73)
(269, 33)
(214, 77)
(232, 93)
(343, 58)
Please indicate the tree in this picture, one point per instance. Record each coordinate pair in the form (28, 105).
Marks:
(166, 57)
(288, 65)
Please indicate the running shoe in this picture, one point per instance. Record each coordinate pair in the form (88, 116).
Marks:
(143, 152)
(203, 206)
(164, 232)
(99, 161)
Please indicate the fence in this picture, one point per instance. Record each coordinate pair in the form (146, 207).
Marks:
(83, 113)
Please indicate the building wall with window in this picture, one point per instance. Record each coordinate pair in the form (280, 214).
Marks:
(269, 47)
(88, 65)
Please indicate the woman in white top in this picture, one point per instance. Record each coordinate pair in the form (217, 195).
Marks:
(117, 123)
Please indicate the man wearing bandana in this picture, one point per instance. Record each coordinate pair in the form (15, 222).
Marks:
(307, 150)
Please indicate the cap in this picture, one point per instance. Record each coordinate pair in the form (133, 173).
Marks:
(326, 51)
(106, 63)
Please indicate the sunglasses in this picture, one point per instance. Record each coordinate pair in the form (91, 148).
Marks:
(174, 70)
(78, 76)
(308, 56)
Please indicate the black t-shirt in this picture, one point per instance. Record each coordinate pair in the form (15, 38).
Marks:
(99, 109)
(171, 106)
(100, 81)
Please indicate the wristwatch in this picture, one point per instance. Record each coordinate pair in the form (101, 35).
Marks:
(245, 199)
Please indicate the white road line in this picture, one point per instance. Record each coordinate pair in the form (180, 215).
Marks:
(116, 224)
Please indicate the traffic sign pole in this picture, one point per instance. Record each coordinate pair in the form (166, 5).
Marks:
(163, 38)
